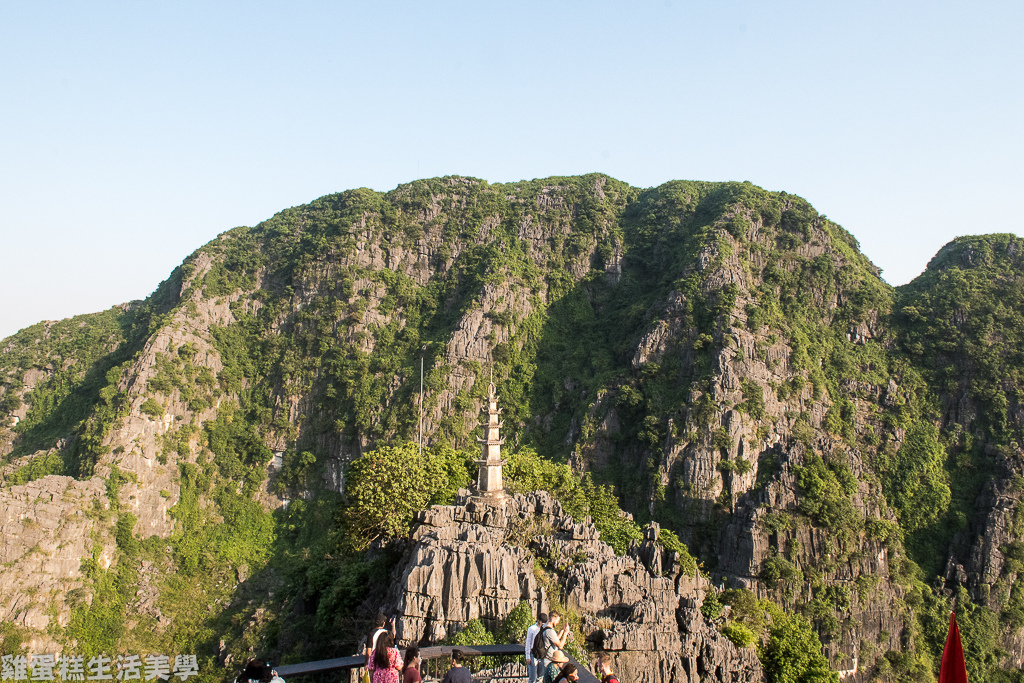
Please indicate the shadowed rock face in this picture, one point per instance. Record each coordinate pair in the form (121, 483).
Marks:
(471, 561)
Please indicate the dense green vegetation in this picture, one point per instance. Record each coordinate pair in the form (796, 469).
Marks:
(792, 653)
(77, 363)
(605, 315)
(388, 486)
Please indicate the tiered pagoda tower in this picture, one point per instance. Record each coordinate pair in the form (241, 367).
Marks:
(489, 484)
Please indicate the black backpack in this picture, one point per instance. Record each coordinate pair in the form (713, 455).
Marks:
(540, 648)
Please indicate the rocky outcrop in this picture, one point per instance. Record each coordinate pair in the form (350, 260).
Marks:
(51, 524)
(476, 561)
(45, 526)
(858, 570)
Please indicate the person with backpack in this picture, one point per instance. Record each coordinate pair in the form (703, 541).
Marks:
(550, 641)
(604, 665)
(533, 668)
(380, 625)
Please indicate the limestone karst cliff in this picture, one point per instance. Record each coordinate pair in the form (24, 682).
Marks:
(723, 356)
(472, 560)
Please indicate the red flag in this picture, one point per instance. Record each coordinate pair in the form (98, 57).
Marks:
(954, 668)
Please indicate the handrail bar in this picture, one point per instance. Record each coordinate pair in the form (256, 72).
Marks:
(434, 652)
(321, 666)
(426, 653)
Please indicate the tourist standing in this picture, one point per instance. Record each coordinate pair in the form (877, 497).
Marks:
(381, 624)
(458, 673)
(553, 641)
(553, 668)
(386, 662)
(411, 665)
(604, 665)
(533, 665)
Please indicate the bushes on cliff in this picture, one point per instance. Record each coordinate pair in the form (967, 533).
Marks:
(580, 496)
(793, 651)
(777, 570)
(740, 635)
(746, 609)
(826, 492)
(79, 352)
(11, 639)
(914, 479)
(152, 408)
(670, 541)
(388, 485)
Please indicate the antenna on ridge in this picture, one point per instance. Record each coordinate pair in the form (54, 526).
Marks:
(420, 450)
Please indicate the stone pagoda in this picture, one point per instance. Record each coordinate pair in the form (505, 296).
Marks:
(489, 484)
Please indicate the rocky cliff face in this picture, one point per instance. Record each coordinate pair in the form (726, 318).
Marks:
(476, 561)
(45, 526)
(723, 356)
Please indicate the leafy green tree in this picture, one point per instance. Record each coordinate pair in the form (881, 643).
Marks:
(746, 608)
(793, 651)
(389, 485)
(514, 626)
(474, 633)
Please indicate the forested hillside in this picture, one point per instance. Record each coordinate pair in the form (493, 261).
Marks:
(231, 464)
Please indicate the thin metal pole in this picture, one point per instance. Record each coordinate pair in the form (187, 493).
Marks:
(421, 407)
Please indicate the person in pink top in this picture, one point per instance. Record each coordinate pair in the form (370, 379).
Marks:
(385, 662)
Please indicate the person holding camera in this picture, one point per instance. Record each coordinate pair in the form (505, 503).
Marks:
(553, 641)
(381, 624)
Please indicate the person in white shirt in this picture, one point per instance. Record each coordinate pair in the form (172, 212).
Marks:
(380, 625)
(533, 665)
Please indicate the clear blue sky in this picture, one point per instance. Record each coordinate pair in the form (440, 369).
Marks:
(135, 132)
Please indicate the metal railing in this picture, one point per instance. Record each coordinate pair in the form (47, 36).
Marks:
(485, 662)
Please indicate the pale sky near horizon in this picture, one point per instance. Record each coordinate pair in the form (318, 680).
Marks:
(134, 133)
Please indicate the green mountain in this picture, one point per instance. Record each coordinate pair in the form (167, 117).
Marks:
(722, 357)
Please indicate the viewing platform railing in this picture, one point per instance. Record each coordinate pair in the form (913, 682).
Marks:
(485, 662)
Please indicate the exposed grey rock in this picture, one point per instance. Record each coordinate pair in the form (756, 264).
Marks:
(471, 561)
